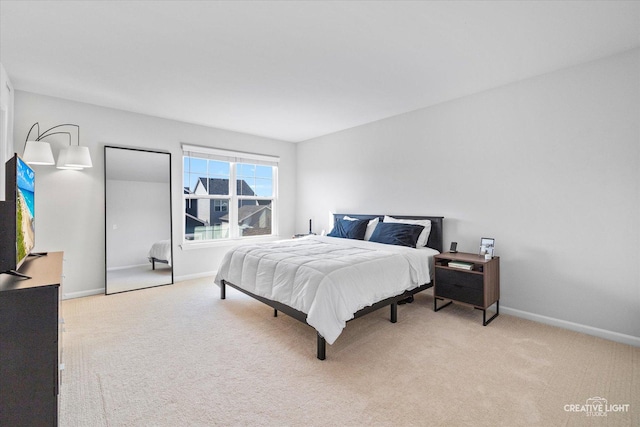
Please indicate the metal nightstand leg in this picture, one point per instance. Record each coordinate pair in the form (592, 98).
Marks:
(485, 322)
(435, 304)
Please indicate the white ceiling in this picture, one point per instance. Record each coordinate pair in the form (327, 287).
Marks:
(297, 70)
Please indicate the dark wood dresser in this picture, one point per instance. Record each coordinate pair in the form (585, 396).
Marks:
(29, 343)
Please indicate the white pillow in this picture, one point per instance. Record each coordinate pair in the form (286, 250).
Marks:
(423, 237)
(370, 226)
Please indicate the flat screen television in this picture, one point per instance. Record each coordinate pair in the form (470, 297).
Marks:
(17, 237)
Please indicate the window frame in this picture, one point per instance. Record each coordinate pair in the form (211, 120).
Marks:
(233, 158)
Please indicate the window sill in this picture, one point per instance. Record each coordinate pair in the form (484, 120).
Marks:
(193, 245)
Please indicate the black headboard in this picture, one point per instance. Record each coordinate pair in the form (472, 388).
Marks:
(436, 240)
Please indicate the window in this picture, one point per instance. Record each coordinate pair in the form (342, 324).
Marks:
(228, 195)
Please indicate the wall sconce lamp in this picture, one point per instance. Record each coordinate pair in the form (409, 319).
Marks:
(38, 152)
(62, 157)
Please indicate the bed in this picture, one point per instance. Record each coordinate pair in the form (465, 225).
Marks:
(325, 281)
(160, 252)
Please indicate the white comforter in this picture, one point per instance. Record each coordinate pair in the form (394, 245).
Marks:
(161, 250)
(327, 278)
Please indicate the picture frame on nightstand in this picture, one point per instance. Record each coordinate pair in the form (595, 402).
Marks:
(487, 246)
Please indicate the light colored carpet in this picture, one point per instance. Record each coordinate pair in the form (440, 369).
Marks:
(179, 356)
(138, 277)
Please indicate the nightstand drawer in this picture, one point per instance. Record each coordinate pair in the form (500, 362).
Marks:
(460, 278)
(459, 293)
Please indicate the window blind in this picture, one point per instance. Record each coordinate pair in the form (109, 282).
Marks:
(228, 155)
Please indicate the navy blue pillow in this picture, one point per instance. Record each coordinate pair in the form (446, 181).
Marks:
(348, 229)
(399, 234)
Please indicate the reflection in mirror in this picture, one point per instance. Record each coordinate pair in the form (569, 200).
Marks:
(138, 232)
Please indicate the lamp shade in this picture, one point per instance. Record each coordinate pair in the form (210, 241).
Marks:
(38, 153)
(76, 157)
(62, 161)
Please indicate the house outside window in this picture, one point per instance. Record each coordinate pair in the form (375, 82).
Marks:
(228, 195)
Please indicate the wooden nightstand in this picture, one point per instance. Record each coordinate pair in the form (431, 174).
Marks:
(478, 286)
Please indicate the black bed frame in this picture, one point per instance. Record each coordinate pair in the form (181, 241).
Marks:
(153, 261)
(435, 241)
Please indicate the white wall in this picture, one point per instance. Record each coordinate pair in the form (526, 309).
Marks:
(549, 167)
(137, 217)
(70, 204)
(6, 124)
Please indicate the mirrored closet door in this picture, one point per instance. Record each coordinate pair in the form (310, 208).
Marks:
(138, 232)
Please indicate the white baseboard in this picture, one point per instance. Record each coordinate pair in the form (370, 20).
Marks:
(589, 330)
(176, 279)
(182, 278)
(71, 295)
(125, 267)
